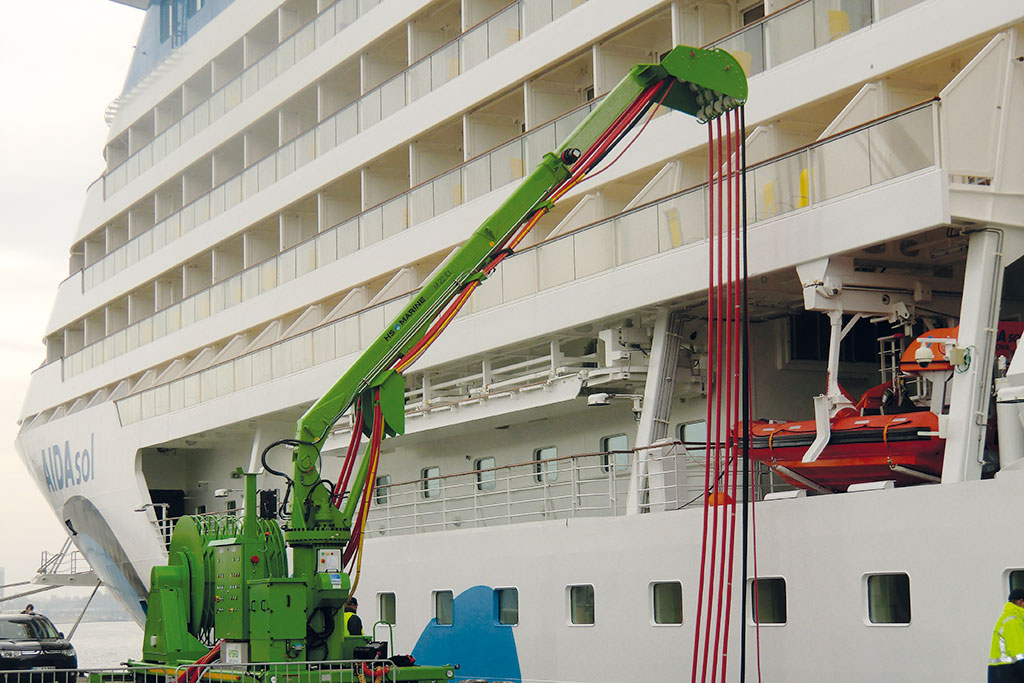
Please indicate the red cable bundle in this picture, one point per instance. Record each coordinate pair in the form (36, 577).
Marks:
(711, 643)
(191, 674)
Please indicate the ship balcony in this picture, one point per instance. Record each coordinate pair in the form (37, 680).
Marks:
(476, 45)
(758, 46)
(648, 242)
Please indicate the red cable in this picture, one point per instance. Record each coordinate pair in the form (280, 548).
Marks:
(640, 132)
(735, 379)
(373, 452)
(726, 230)
(350, 454)
(718, 401)
(707, 407)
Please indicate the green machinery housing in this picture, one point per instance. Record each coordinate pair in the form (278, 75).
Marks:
(227, 579)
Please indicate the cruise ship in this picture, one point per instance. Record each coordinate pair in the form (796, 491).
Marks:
(283, 175)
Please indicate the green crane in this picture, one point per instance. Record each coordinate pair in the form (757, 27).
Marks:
(231, 577)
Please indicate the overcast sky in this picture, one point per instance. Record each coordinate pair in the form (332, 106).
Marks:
(61, 63)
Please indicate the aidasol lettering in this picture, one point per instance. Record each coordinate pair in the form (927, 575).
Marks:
(64, 468)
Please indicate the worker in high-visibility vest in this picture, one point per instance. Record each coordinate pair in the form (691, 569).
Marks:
(1006, 657)
(353, 624)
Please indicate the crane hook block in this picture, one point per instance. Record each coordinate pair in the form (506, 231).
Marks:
(713, 81)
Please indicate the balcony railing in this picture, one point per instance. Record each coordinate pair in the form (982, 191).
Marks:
(849, 162)
(469, 49)
(313, 34)
(487, 172)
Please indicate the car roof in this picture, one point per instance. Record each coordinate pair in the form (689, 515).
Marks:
(22, 618)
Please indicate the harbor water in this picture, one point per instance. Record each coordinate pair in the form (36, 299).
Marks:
(105, 644)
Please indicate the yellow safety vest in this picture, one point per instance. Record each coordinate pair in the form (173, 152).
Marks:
(344, 623)
(1008, 636)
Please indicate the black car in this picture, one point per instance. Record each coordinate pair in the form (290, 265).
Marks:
(30, 648)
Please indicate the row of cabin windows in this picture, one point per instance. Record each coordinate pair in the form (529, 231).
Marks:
(888, 598)
(666, 600)
(615, 458)
(888, 602)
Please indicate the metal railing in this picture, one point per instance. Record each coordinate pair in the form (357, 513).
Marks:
(591, 484)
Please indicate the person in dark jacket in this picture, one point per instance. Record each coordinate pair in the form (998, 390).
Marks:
(353, 624)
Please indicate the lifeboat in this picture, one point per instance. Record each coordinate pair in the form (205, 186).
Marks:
(904, 447)
(883, 436)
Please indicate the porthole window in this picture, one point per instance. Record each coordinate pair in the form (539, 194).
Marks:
(386, 607)
(506, 606)
(888, 598)
(667, 602)
(768, 600)
(444, 611)
(581, 605)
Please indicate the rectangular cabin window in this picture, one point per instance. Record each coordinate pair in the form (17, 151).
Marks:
(888, 598)
(200, 509)
(581, 605)
(1016, 579)
(381, 488)
(809, 333)
(667, 602)
(444, 609)
(166, 19)
(506, 605)
(484, 468)
(752, 13)
(546, 467)
(768, 600)
(231, 507)
(431, 483)
(386, 607)
(612, 447)
(694, 436)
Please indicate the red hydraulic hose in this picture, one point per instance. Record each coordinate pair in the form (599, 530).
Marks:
(192, 673)
(718, 402)
(726, 236)
(350, 454)
(372, 453)
(733, 145)
(707, 409)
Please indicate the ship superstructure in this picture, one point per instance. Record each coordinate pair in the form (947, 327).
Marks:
(281, 176)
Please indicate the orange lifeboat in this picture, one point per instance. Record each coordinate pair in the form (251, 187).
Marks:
(904, 447)
(871, 441)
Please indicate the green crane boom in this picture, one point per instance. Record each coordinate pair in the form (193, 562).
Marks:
(705, 84)
(232, 578)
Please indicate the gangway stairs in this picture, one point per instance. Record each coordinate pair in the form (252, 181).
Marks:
(66, 567)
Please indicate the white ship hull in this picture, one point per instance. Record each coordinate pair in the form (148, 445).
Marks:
(267, 208)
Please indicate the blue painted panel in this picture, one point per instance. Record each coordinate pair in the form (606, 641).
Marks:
(150, 50)
(475, 641)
